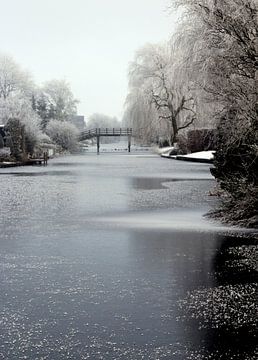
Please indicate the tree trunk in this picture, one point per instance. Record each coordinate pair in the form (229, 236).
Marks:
(175, 130)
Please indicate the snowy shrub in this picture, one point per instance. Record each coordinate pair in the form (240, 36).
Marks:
(20, 108)
(44, 139)
(63, 134)
(182, 144)
(201, 140)
(4, 154)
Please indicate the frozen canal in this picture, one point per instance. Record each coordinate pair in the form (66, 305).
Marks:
(96, 252)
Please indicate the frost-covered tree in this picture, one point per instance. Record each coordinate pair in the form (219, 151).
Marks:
(43, 105)
(20, 108)
(63, 134)
(16, 88)
(142, 116)
(218, 41)
(35, 107)
(55, 100)
(13, 80)
(153, 80)
(102, 121)
(221, 56)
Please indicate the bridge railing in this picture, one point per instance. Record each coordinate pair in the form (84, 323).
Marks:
(106, 132)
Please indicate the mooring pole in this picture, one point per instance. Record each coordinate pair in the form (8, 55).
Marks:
(98, 144)
(45, 157)
(129, 142)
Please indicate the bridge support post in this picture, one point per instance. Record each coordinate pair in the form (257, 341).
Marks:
(129, 142)
(98, 138)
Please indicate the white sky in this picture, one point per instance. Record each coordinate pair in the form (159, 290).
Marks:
(87, 42)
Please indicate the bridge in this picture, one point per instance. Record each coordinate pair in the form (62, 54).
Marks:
(99, 132)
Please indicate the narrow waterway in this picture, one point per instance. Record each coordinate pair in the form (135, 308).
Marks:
(97, 251)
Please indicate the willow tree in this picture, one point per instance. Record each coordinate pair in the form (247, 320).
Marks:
(141, 115)
(152, 77)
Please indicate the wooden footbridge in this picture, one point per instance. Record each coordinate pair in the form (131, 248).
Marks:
(99, 132)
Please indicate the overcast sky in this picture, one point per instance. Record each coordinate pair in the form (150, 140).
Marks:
(87, 42)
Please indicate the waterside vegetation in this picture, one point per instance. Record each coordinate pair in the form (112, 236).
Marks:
(205, 76)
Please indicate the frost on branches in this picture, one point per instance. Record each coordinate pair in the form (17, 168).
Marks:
(36, 107)
(222, 62)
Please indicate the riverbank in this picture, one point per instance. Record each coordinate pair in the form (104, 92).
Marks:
(234, 213)
(30, 162)
(229, 308)
(201, 156)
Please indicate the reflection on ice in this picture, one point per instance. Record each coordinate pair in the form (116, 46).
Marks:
(179, 220)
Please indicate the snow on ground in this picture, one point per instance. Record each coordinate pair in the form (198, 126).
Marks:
(201, 156)
(164, 150)
(207, 155)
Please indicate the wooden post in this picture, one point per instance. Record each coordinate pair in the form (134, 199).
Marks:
(98, 144)
(129, 142)
(45, 158)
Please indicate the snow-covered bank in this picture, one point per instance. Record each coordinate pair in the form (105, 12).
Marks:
(187, 220)
(201, 156)
(165, 150)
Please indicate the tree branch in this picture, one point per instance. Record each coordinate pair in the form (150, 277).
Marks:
(187, 124)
